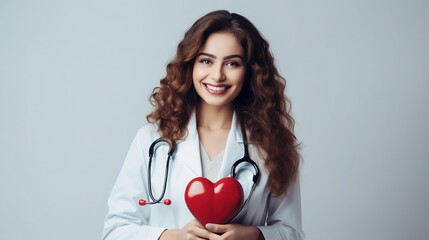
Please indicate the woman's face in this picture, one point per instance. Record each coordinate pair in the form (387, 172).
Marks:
(219, 70)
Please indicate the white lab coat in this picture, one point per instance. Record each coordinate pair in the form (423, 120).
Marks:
(276, 217)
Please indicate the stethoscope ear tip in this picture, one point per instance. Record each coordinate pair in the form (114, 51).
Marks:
(142, 202)
(167, 201)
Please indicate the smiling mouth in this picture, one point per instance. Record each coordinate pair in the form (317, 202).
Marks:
(218, 89)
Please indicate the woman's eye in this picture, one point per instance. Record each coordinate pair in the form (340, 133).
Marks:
(205, 61)
(233, 64)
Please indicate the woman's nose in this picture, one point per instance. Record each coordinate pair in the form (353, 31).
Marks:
(218, 74)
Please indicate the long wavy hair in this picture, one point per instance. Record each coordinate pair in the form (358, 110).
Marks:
(261, 105)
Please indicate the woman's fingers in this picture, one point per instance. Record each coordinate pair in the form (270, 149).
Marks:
(217, 228)
(194, 230)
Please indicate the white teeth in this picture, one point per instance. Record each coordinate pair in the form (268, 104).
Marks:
(216, 89)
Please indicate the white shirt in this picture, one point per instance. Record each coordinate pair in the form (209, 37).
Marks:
(211, 167)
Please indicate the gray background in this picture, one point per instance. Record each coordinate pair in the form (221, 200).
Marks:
(75, 77)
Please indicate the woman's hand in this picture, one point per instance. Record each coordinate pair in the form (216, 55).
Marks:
(233, 231)
(192, 230)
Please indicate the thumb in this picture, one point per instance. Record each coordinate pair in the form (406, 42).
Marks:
(216, 228)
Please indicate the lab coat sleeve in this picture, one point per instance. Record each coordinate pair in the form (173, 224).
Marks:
(126, 220)
(284, 216)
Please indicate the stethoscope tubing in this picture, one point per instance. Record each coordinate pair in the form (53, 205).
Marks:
(149, 180)
(152, 149)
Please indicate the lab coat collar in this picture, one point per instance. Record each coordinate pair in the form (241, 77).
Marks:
(191, 145)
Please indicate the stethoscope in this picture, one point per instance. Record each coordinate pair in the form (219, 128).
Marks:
(172, 148)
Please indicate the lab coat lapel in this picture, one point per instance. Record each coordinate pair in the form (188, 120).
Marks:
(190, 147)
(234, 149)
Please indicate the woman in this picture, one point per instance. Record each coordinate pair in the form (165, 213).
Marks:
(222, 78)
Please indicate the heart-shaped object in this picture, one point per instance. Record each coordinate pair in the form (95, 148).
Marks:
(216, 202)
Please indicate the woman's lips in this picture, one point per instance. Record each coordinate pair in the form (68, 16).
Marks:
(216, 89)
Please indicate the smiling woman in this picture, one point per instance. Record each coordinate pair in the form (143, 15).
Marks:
(219, 70)
(221, 87)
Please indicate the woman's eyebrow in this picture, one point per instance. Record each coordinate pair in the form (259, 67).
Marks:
(225, 58)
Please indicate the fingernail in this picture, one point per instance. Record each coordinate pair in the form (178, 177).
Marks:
(209, 226)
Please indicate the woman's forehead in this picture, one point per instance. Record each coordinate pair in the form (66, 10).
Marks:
(222, 44)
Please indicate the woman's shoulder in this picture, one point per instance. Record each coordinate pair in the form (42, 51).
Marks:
(148, 131)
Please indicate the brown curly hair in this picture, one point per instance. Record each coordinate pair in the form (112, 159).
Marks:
(261, 105)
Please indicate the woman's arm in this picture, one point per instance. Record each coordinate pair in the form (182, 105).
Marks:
(125, 218)
(284, 216)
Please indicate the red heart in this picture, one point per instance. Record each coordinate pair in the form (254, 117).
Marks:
(216, 202)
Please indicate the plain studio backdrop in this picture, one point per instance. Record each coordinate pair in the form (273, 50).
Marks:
(75, 77)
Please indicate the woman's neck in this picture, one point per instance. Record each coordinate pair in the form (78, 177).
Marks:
(214, 118)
